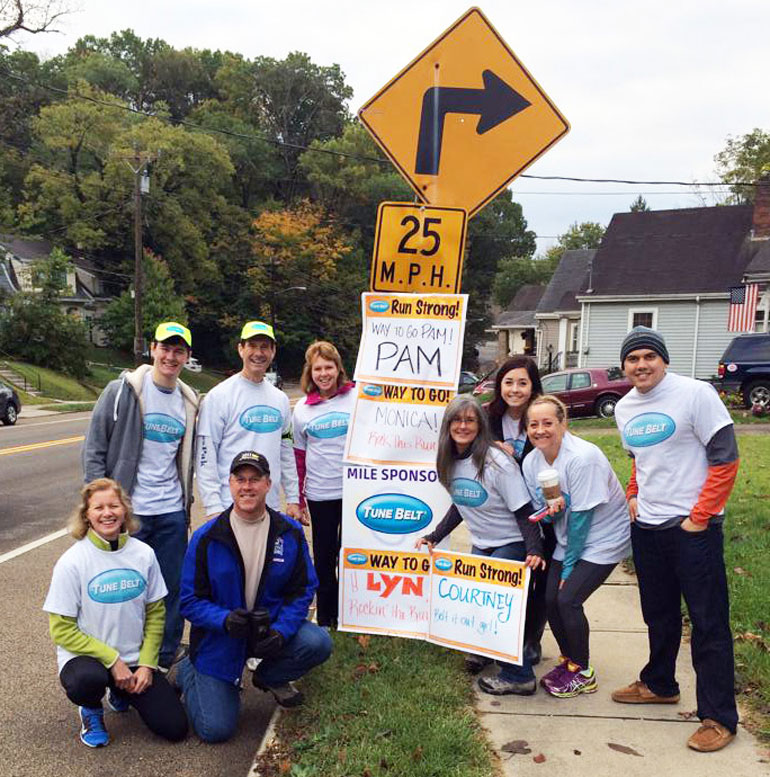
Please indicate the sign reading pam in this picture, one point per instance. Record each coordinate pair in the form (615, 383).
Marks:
(418, 248)
(464, 118)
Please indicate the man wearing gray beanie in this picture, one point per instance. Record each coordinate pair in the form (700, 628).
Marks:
(684, 463)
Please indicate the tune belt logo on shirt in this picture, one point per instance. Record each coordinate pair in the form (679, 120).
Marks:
(329, 425)
(261, 418)
(469, 493)
(160, 427)
(116, 585)
(648, 429)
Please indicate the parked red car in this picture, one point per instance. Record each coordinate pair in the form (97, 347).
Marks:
(588, 391)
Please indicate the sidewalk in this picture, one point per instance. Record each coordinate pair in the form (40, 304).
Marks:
(591, 734)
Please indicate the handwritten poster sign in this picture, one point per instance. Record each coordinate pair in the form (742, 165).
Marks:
(390, 507)
(411, 339)
(384, 592)
(470, 603)
(478, 604)
(396, 424)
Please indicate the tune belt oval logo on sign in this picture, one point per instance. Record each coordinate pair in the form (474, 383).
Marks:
(357, 558)
(116, 585)
(379, 306)
(372, 390)
(648, 429)
(469, 493)
(328, 425)
(442, 564)
(261, 418)
(160, 427)
(394, 513)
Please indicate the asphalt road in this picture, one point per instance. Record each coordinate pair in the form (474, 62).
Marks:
(40, 475)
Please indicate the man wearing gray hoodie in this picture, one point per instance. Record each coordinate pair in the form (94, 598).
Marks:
(142, 435)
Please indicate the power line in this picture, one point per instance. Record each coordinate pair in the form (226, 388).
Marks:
(342, 154)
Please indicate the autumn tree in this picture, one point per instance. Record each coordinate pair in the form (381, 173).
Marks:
(744, 160)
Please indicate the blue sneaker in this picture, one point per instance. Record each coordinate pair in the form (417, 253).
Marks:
(92, 730)
(117, 702)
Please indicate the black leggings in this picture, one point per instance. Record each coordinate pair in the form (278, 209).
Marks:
(565, 606)
(326, 523)
(537, 613)
(85, 680)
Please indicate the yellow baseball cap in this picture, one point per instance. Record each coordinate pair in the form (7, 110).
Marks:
(169, 329)
(254, 328)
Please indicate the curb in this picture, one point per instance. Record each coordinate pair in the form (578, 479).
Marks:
(267, 739)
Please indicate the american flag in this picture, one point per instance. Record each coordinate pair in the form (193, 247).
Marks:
(743, 307)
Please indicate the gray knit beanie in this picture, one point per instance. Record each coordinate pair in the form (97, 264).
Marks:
(644, 337)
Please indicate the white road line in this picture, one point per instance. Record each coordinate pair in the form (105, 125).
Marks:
(11, 554)
(51, 423)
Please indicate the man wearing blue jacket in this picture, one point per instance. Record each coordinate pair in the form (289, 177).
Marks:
(249, 565)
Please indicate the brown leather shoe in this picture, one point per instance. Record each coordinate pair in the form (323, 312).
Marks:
(710, 736)
(639, 693)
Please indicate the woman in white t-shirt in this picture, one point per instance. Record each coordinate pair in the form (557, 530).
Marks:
(489, 493)
(106, 616)
(592, 533)
(320, 424)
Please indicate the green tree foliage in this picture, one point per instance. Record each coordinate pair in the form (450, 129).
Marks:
(587, 234)
(35, 327)
(744, 160)
(639, 205)
(161, 303)
(517, 271)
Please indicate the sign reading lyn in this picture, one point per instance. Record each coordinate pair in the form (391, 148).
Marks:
(396, 424)
(464, 118)
(412, 340)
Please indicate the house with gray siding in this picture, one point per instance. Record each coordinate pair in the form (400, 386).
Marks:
(672, 270)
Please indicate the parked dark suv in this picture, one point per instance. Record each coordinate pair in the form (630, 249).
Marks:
(9, 405)
(745, 367)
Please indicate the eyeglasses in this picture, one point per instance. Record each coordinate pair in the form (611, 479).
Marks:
(468, 421)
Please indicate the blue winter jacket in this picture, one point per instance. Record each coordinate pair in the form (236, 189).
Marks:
(213, 581)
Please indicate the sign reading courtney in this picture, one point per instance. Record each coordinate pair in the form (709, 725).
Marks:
(412, 340)
(470, 603)
(396, 424)
(478, 604)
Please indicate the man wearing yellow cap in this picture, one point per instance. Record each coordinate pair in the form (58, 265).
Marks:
(142, 434)
(247, 413)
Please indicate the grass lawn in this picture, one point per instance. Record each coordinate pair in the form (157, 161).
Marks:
(72, 407)
(747, 544)
(384, 706)
(52, 384)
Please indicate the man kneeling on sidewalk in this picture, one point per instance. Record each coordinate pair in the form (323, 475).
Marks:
(247, 584)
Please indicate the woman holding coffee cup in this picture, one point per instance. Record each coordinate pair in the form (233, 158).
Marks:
(517, 384)
(573, 485)
(496, 516)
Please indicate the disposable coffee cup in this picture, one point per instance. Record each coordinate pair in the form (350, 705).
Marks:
(548, 480)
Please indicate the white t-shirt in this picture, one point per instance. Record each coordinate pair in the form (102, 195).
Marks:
(157, 489)
(667, 430)
(587, 482)
(321, 430)
(515, 437)
(487, 505)
(240, 415)
(107, 591)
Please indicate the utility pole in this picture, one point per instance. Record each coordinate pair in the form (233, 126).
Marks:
(138, 165)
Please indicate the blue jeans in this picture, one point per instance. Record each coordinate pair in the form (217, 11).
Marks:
(213, 705)
(514, 551)
(671, 563)
(166, 534)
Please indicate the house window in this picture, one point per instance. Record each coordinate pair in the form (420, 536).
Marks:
(574, 332)
(642, 317)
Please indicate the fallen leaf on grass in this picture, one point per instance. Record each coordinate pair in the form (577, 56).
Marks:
(373, 668)
(383, 763)
(363, 640)
(386, 733)
(539, 758)
(517, 747)
(417, 753)
(624, 749)
(755, 639)
(360, 670)
(284, 767)
(741, 571)
(342, 756)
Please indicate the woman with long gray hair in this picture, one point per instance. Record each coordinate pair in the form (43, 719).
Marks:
(489, 493)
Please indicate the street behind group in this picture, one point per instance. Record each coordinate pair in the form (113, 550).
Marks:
(246, 581)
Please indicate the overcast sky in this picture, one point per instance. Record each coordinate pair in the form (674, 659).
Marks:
(652, 90)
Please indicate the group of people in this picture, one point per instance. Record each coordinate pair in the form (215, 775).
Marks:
(684, 455)
(246, 581)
